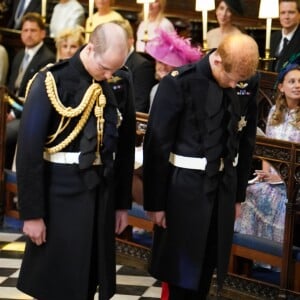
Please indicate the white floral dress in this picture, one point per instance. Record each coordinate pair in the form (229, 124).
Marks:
(263, 212)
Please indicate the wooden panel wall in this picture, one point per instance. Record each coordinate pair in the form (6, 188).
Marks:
(183, 14)
(186, 10)
(186, 20)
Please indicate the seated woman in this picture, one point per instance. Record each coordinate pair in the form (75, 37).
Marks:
(263, 212)
(156, 20)
(225, 10)
(68, 41)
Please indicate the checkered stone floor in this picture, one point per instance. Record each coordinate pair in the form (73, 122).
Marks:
(132, 284)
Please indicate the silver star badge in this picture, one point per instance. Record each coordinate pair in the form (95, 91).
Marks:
(242, 123)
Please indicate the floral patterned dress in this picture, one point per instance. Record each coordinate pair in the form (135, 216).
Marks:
(263, 212)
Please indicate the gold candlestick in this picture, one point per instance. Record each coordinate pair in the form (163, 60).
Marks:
(44, 10)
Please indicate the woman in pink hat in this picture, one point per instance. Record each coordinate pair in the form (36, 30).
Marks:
(170, 51)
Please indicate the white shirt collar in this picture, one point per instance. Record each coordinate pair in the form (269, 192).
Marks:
(290, 35)
(32, 51)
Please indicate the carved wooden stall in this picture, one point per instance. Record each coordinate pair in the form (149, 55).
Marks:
(285, 157)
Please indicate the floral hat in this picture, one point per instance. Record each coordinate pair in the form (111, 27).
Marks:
(171, 49)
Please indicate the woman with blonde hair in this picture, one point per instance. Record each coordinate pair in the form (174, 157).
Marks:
(156, 19)
(68, 41)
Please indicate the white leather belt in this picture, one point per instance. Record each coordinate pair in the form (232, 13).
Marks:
(194, 163)
(67, 158)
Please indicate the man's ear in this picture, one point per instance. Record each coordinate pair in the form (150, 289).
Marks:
(217, 60)
(90, 47)
(43, 34)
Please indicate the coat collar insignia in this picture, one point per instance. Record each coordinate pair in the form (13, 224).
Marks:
(242, 85)
(242, 89)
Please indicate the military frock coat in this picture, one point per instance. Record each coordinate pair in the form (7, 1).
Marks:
(76, 201)
(193, 117)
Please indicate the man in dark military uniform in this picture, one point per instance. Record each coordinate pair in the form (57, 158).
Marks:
(74, 169)
(197, 156)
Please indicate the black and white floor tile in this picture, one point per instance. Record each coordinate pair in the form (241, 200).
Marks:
(132, 284)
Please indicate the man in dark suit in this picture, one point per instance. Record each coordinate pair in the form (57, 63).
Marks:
(142, 68)
(286, 42)
(19, 9)
(197, 156)
(26, 63)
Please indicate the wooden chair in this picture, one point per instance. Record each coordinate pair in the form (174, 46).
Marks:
(284, 156)
(11, 195)
(129, 252)
(137, 216)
